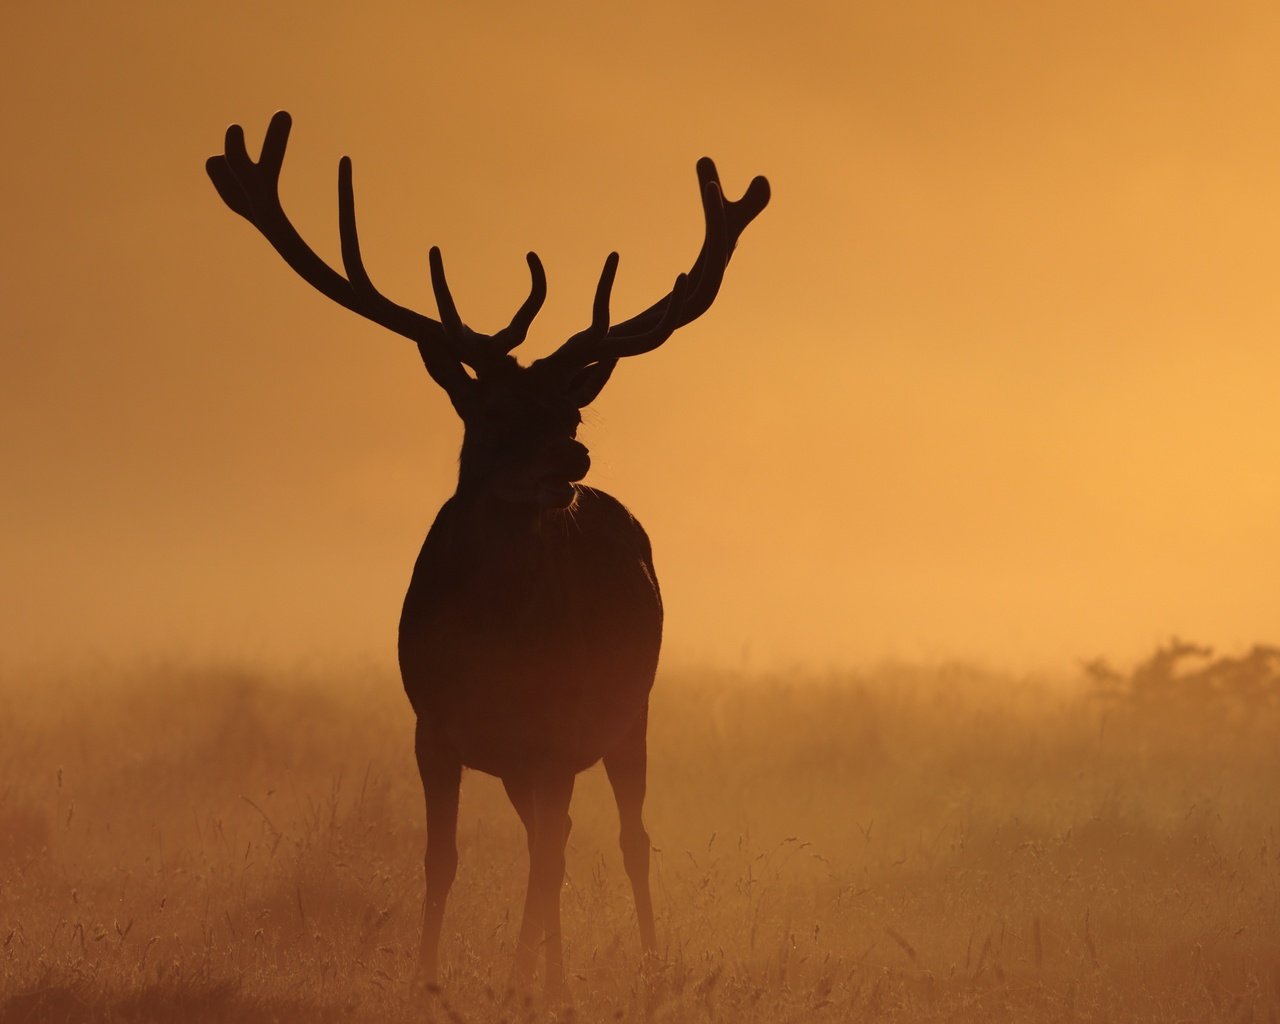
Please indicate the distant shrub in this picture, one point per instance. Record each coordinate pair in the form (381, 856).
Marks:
(1187, 675)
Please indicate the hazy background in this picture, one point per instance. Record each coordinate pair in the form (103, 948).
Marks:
(993, 377)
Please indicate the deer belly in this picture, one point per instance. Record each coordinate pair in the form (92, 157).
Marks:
(555, 683)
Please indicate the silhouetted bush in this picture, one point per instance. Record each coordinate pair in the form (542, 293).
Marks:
(1182, 676)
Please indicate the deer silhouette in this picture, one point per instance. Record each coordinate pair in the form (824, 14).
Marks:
(530, 632)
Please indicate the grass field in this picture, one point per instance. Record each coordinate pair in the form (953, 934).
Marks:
(905, 844)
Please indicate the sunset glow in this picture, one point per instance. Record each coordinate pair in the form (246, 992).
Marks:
(993, 378)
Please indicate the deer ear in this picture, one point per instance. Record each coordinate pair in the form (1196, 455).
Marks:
(457, 380)
(587, 383)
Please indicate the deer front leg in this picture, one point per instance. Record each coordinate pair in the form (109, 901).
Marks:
(626, 766)
(441, 773)
(547, 799)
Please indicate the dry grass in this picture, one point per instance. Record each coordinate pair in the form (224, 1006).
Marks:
(181, 845)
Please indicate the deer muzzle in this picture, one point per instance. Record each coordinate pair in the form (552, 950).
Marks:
(563, 464)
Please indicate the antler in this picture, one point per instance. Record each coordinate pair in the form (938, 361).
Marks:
(725, 222)
(251, 189)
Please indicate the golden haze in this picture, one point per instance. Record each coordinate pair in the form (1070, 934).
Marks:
(993, 376)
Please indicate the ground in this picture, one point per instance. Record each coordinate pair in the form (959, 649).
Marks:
(903, 844)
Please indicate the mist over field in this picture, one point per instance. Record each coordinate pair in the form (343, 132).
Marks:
(908, 844)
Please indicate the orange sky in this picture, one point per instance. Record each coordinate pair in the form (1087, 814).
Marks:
(994, 376)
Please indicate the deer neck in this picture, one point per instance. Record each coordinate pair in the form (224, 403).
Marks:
(491, 516)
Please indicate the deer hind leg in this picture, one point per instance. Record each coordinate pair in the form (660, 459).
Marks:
(520, 792)
(441, 773)
(626, 766)
(543, 805)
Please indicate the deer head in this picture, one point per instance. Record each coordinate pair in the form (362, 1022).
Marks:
(519, 421)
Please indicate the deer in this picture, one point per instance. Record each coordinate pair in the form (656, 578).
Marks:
(530, 631)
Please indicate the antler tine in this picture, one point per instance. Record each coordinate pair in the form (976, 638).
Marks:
(515, 332)
(271, 159)
(580, 349)
(476, 350)
(713, 258)
(349, 236)
(441, 365)
(449, 318)
(604, 291)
